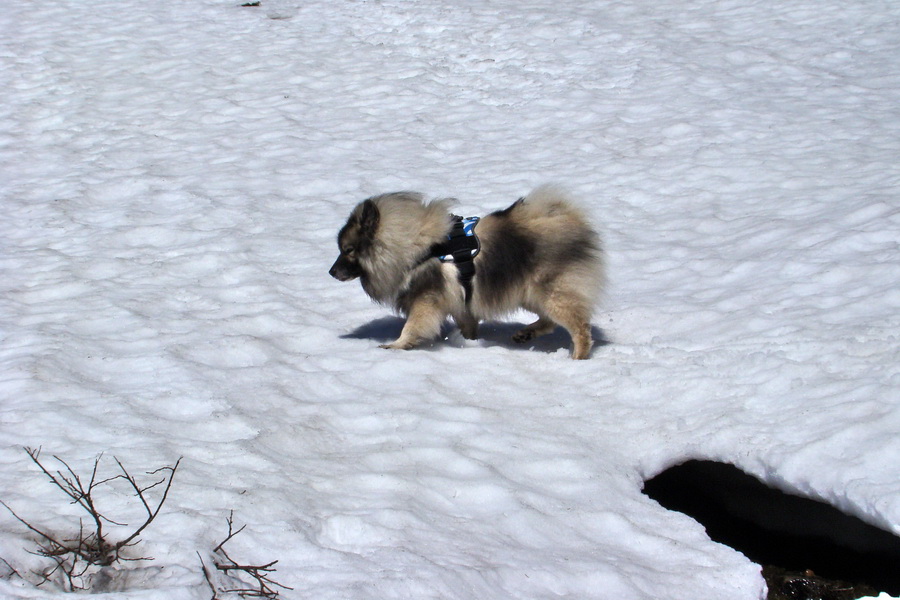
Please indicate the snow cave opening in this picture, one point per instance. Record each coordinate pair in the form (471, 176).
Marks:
(780, 531)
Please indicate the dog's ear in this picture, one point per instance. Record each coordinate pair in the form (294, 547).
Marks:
(369, 218)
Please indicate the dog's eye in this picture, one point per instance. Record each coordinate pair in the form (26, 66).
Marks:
(349, 249)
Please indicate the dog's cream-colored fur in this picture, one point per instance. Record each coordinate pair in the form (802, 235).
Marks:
(563, 280)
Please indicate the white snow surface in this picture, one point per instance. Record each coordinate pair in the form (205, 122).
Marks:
(173, 177)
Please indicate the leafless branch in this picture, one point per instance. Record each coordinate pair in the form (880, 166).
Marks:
(260, 574)
(231, 532)
(11, 571)
(74, 556)
(208, 578)
(151, 513)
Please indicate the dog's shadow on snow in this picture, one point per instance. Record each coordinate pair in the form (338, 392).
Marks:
(490, 333)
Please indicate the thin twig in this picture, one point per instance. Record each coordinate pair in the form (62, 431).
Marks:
(72, 557)
(231, 532)
(258, 572)
(208, 577)
(12, 570)
(140, 493)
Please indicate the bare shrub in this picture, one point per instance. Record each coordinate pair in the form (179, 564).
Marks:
(74, 554)
(238, 575)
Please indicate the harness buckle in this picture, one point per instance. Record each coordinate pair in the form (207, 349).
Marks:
(462, 243)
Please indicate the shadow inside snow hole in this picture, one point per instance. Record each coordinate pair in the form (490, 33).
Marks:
(490, 333)
(808, 549)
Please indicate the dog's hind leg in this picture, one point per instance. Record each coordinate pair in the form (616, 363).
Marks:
(575, 316)
(423, 324)
(581, 339)
(542, 326)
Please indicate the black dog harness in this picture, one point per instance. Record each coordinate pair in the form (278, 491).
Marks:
(461, 247)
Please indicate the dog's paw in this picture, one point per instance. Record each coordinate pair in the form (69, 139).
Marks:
(398, 346)
(524, 335)
(471, 334)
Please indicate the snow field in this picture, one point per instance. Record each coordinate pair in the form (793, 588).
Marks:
(174, 176)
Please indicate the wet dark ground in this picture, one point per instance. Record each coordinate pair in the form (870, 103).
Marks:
(809, 550)
(784, 585)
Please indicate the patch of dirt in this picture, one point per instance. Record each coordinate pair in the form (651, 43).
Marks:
(785, 585)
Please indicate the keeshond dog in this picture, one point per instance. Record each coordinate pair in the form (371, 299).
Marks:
(539, 254)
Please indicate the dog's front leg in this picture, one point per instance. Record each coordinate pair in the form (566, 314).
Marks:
(423, 324)
(468, 325)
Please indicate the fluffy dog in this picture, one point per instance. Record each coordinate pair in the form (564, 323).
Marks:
(540, 254)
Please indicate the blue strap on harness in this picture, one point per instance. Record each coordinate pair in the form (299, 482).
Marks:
(461, 247)
(458, 246)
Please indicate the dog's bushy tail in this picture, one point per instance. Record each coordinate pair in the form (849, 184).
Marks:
(551, 201)
(551, 213)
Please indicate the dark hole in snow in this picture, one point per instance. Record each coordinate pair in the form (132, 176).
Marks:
(808, 548)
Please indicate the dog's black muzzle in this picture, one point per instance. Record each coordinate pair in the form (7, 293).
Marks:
(344, 269)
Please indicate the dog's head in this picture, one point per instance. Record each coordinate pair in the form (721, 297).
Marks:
(354, 240)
